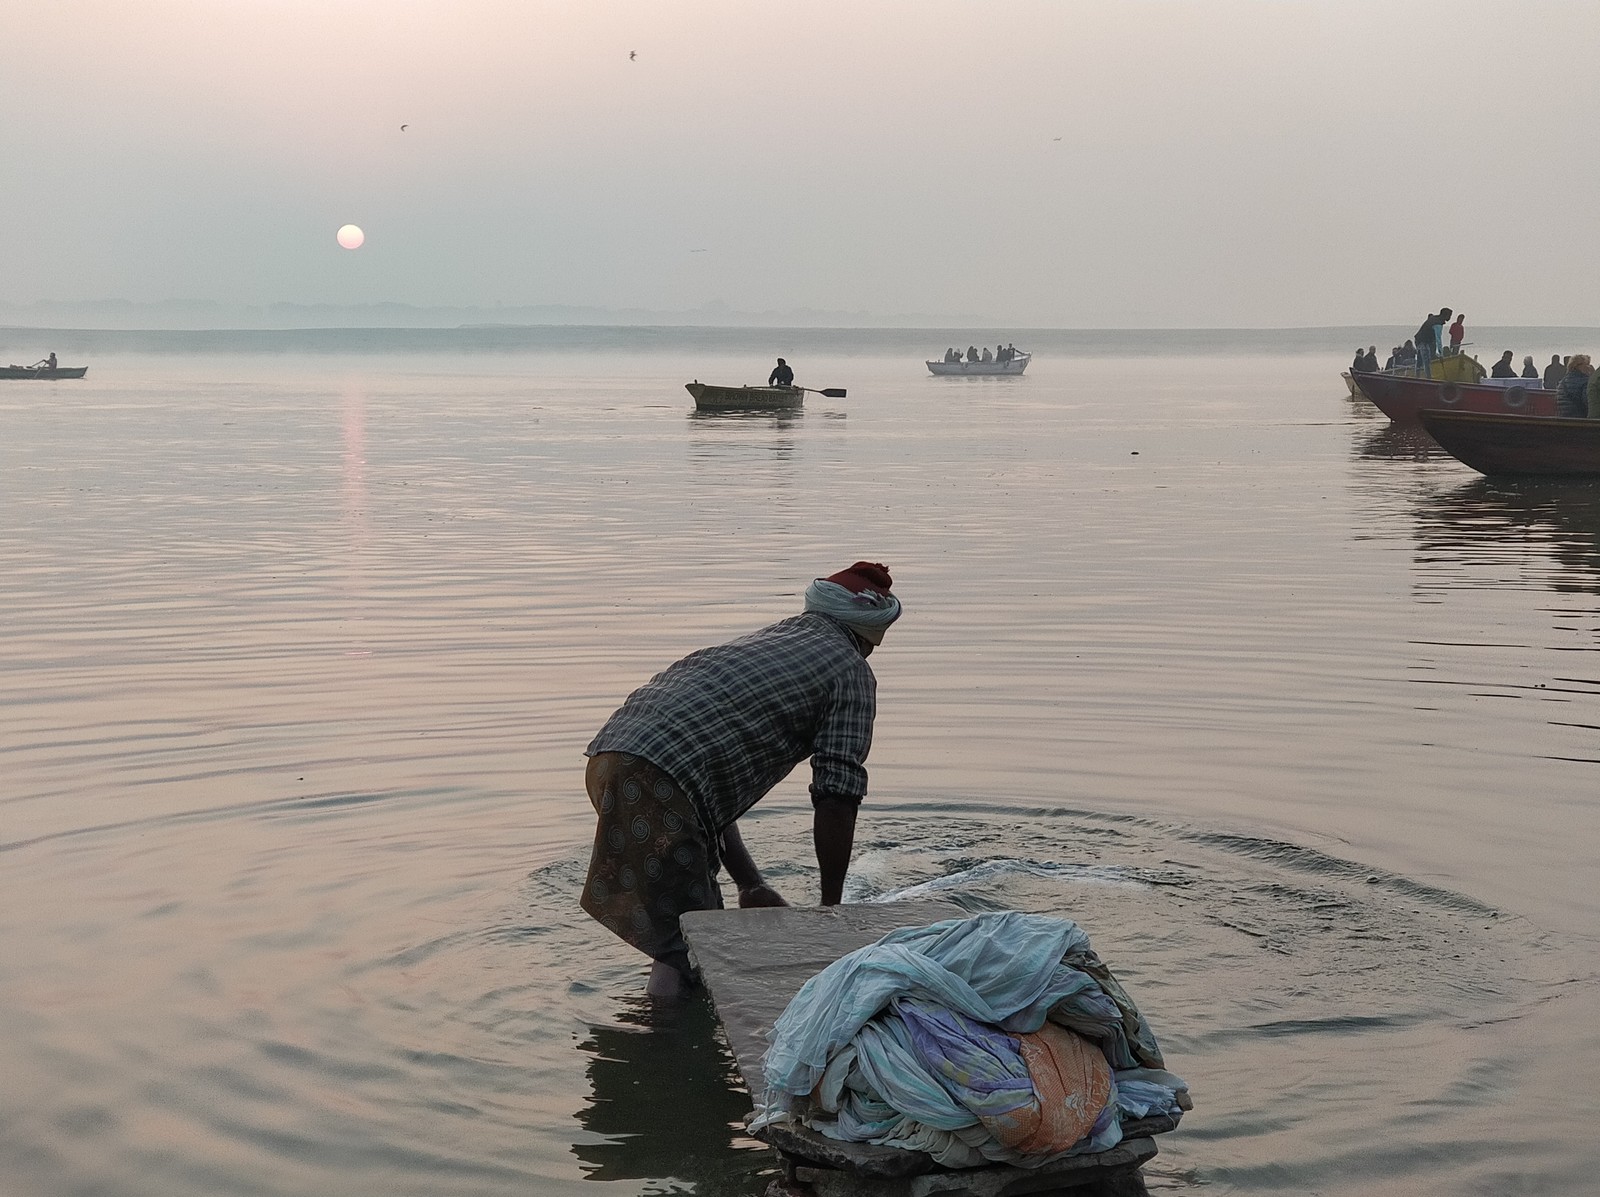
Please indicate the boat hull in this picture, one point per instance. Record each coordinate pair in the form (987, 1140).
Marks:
(1402, 397)
(1515, 446)
(714, 398)
(981, 369)
(43, 372)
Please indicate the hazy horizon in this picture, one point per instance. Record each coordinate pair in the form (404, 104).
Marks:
(1231, 164)
(210, 315)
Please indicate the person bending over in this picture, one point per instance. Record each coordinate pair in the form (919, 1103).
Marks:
(703, 741)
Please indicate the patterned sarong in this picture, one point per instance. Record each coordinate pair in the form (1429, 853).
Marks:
(651, 860)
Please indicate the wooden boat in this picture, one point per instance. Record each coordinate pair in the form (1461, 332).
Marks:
(15, 371)
(1349, 377)
(978, 369)
(714, 398)
(1515, 446)
(1402, 396)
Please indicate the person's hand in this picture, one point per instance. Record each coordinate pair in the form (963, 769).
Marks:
(760, 895)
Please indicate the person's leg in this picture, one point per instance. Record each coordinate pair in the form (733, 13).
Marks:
(650, 864)
(667, 980)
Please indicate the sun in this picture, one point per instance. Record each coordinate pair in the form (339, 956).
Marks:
(350, 236)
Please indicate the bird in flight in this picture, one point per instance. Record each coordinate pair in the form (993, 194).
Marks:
(632, 54)
(403, 129)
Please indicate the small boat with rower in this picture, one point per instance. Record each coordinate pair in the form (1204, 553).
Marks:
(708, 397)
(41, 370)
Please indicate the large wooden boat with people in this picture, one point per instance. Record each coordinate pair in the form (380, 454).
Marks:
(1513, 446)
(708, 397)
(1402, 397)
(43, 372)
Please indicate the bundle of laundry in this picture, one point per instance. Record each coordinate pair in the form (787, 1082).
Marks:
(1000, 1037)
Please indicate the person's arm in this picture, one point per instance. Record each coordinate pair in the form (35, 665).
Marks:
(833, 830)
(838, 768)
(736, 858)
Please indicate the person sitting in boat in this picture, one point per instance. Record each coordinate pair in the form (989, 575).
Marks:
(1369, 361)
(1529, 370)
(972, 353)
(950, 355)
(781, 375)
(1406, 355)
(50, 362)
(1503, 368)
(987, 356)
(1011, 351)
(1554, 373)
(1572, 396)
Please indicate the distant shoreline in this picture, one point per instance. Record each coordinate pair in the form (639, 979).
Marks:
(185, 316)
(991, 329)
(19, 342)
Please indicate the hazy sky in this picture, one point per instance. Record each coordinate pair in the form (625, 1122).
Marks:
(1124, 162)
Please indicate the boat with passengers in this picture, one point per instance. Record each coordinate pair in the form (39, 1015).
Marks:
(1458, 383)
(1013, 361)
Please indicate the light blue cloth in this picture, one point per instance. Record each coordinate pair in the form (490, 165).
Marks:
(905, 1042)
(868, 612)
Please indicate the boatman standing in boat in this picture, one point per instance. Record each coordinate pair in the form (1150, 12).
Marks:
(1428, 340)
(703, 741)
(781, 375)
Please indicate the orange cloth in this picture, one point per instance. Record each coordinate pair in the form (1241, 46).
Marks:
(1072, 1082)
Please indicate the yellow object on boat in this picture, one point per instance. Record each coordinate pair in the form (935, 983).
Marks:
(1456, 367)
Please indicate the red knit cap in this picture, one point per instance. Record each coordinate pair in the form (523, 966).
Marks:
(863, 575)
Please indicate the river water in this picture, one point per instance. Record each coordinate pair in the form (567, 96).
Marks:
(1297, 717)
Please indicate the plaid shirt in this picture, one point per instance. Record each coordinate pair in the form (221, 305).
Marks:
(729, 723)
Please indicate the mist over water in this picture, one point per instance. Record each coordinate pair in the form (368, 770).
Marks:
(1294, 714)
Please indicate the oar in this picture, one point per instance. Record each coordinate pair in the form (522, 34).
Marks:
(830, 392)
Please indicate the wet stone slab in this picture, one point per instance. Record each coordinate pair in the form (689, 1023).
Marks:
(754, 961)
